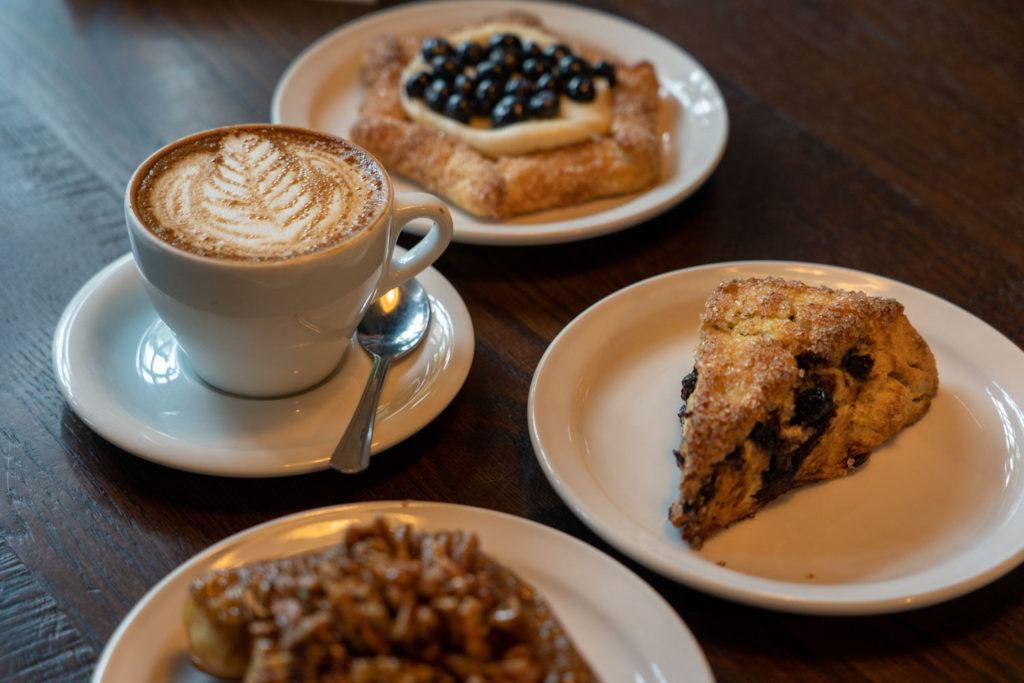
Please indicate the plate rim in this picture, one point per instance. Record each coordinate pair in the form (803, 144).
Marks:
(498, 233)
(761, 591)
(94, 418)
(205, 554)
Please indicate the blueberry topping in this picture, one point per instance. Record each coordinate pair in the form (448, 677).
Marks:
(519, 87)
(507, 58)
(445, 67)
(509, 109)
(548, 81)
(464, 85)
(530, 49)
(416, 85)
(556, 52)
(570, 67)
(543, 105)
(605, 70)
(488, 92)
(437, 94)
(581, 89)
(470, 53)
(505, 40)
(433, 47)
(458, 107)
(488, 69)
(534, 68)
(508, 79)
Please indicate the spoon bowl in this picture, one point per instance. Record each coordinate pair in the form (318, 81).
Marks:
(394, 325)
(396, 322)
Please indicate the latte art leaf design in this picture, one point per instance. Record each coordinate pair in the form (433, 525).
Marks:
(257, 196)
(263, 193)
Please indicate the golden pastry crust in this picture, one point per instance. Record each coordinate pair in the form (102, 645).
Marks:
(626, 160)
(793, 384)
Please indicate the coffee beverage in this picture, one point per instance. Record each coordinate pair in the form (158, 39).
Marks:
(260, 193)
(261, 246)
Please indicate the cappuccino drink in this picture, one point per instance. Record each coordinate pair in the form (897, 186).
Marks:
(261, 246)
(261, 194)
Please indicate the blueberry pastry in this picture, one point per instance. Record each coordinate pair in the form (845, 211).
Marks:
(505, 118)
(791, 384)
(389, 603)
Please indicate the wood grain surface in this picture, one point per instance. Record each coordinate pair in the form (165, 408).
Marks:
(882, 136)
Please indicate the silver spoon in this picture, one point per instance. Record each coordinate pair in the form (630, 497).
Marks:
(394, 325)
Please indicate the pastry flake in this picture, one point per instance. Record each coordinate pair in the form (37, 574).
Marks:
(791, 384)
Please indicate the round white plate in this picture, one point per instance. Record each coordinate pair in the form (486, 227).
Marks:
(936, 512)
(625, 630)
(120, 370)
(321, 90)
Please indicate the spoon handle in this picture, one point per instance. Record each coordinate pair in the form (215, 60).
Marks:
(353, 452)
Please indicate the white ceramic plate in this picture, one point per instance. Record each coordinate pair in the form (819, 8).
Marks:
(321, 90)
(620, 625)
(936, 512)
(120, 370)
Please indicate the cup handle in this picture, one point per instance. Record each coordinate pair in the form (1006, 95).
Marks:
(409, 206)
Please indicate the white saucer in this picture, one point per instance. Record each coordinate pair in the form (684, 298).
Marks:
(936, 512)
(321, 90)
(625, 630)
(120, 370)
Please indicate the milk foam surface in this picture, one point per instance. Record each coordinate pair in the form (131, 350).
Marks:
(261, 194)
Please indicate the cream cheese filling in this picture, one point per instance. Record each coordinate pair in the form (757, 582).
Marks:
(576, 121)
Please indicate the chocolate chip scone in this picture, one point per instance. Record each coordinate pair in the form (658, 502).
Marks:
(504, 118)
(390, 603)
(791, 384)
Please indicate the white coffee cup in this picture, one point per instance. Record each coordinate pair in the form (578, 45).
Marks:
(269, 328)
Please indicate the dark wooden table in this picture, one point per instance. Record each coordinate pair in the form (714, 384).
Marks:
(887, 137)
